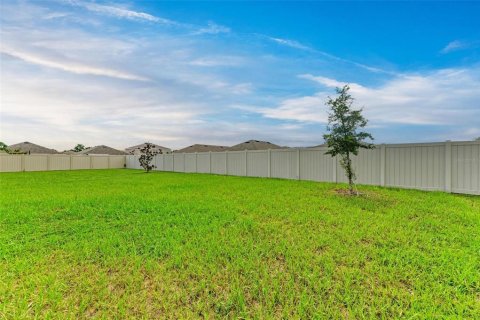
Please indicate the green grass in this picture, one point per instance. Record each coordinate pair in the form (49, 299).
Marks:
(125, 244)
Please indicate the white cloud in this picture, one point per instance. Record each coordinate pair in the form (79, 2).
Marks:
(446, 97)
(119, 12)
(68, 66)
(212, 28)
(290, 43)
(55, 15)
(331, 83)
(124, 13)
(458, 45)
(454, 46)
(218, 61)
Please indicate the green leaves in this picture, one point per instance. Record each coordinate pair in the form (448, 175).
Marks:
(147, 157)
(344, 125)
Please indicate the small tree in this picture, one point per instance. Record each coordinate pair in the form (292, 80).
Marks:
(79, 147)
(344, 138)
(147, 157)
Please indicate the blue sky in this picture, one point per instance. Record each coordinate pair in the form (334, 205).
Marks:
(178, 73)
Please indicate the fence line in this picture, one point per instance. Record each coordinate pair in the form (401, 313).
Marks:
(444, 166)
(44, 162)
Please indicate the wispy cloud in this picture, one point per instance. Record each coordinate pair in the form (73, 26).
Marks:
(119, 12)
(458, 45)
(454, 46)
(68, 66)
(218, 61)
(124, 13)
(290, 43)
(297, 45)
(212, 28)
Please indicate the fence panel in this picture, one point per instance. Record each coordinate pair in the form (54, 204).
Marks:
(168, 162)
(283, 164)
(60, 162)
(158, 162)
(203, 162)
(179, 162)
(219, 162)
(54, 162)
(257, 163)
(316, 165)
(236, 163)
(116, 162)
(420, 166)
(367, 167)
(465, 168)
(80, 162)
(36, 163)
(10, 163)
(133, 162)
(99, 162)
(190, 162)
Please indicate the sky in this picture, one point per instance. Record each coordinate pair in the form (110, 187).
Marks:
(176, 73)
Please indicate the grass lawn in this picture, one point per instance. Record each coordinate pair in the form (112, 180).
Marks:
(125, 244)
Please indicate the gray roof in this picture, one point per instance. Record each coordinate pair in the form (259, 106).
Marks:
(31, 148)
(202, 148)
(102, 150)
(254, 145)
(156, 148)
(69, 152)
(318, 146)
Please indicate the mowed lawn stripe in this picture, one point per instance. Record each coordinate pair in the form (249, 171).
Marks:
(125, 244)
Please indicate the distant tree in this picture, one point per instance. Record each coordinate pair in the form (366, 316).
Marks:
(79, 147)
(3, 147)
(146, 157)
(477, 139)
(344, 138)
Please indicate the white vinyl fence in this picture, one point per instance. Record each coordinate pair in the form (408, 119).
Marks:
(44, 162)
(445, 166)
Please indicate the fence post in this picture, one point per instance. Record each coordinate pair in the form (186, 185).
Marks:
(334, 170)
(184, 167)
(71, 163)
(196, 160)
(448, 166)
(210, 162)
(226, 163)
(269, 166)
(383, 163)
(298, 163)
(22, 159)
(48, 162)
(246, 163)
(109, 162)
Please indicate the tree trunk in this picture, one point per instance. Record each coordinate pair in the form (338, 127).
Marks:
(349, 173)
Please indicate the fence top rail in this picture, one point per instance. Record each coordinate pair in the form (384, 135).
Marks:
(465, 143)
(61, 155)
(428, 144)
